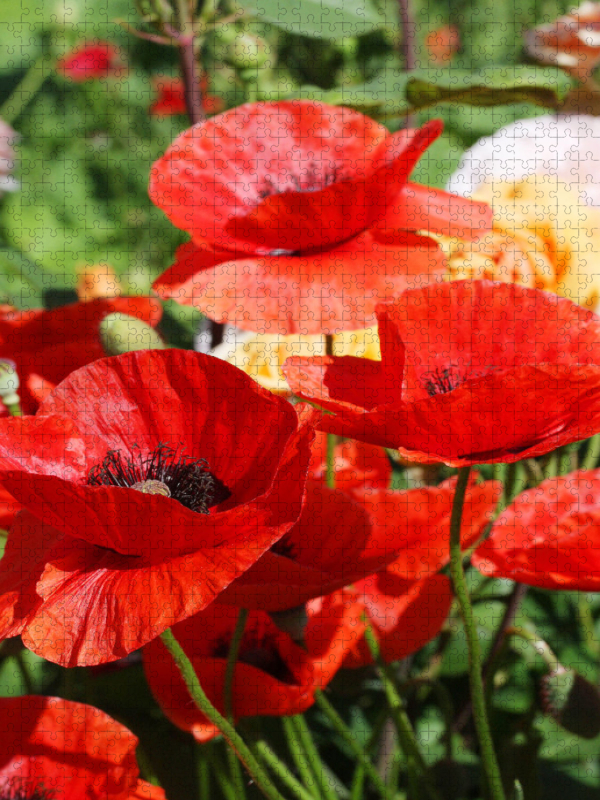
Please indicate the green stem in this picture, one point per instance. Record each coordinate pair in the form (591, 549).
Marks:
(312, 754)
(330, 465)
(232, 657)
(586, 620)
(590, 460)
(231, 736)
(488, 755)
(406, 735)
(298, 755)
(26, 677)
(13, 106)
(282, 772)
(342, 730)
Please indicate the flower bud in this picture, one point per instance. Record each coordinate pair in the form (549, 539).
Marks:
(9, 384)
(572, 701)
(120, 333)
(248, 52)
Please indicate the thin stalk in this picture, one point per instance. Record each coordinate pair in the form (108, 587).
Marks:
(282, 772)
(298, 755)
(514, 601)
(408, 49)
(15, 104)
(406, 734)
(590, 460)
(586, 621)
(342, 730)
(316, 765)
(24, 672)
(232, 657)
(188, 64)
(488, 755)
(203, 772)
(231, 736)
(330, 465)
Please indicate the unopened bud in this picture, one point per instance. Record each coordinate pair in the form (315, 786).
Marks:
(248, 52)
(120, 333)
(9, 384)
(572, 701)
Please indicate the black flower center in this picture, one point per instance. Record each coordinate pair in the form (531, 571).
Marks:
(314, 178)
(441, 381)
(24, 789)
(165, 471)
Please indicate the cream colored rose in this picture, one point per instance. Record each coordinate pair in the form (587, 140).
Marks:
(543, 236)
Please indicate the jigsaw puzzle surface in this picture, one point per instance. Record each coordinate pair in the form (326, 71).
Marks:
(299, 400)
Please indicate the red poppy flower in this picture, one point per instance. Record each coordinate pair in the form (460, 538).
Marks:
(549, 536)
(340, 538)
(442, 43)
(421, 520)
(356, 464)
(302, 217)
(89, 61)
(57, 748)
(171, 97)
(47, 346)
(471, 372)
(404, 615)
(8, 509)
(165, 475)
(273, 676)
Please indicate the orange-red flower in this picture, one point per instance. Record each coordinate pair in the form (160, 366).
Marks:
(46, 346)
(89, 61)
(171, 97)
(404, 615)
(57, 748)
(165, 474)
(302, 217)
(273, 676)
(421, 520)
(355, 464)
(549, 536)
(442, 43)
(470, 372)
(342, 537)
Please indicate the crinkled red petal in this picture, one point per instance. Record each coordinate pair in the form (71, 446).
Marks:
(322, 291)
(216, 175)
(549, 536)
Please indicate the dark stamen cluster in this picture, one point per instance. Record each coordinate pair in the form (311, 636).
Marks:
(313, 179)
(188, 479)
(20, 789)
(442, 381)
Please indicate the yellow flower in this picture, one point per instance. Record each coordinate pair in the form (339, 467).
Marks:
(261, 355)
(543, 236)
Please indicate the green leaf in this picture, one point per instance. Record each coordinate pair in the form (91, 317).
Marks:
(383, 95)
(488, 87)
(323, 19)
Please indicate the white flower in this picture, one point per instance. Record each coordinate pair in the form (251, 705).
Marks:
(564, 146)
